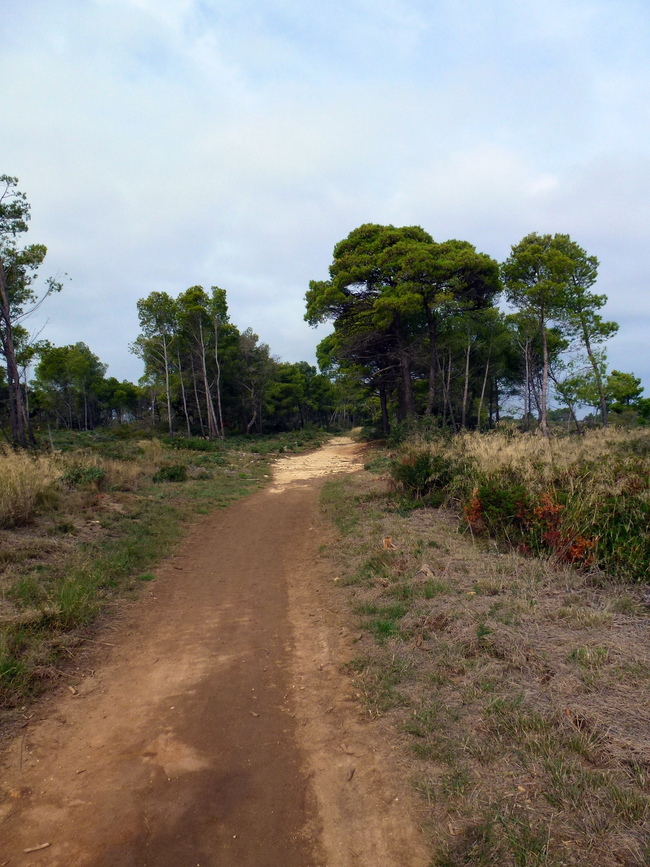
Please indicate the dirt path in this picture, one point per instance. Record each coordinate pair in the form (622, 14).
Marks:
(217, 727)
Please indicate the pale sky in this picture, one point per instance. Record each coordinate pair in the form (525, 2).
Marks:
(165, 143)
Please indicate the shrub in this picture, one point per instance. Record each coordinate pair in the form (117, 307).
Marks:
(195, 444)
(425, 475)
(585, 500)
(83, 475)
(171, 473)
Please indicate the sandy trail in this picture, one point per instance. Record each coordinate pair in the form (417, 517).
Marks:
(217, 727)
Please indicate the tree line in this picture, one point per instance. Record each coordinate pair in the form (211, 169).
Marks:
(202, 375)
(417, 332)
(417, 322)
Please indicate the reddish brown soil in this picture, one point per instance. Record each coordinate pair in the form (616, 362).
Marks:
(217, 727)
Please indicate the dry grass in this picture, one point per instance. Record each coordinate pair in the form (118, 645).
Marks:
(26, 482)
(537, 459)
(108, 473)
(584, 499)
(520, 689)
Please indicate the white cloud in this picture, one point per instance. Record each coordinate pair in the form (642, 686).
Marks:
(168, 142)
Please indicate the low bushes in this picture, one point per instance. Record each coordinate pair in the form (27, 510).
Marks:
(584, 500)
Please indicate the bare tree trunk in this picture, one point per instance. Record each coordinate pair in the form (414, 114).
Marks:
(543, 414)
(153, 406)
(451, 409)
(466, 387)
(213, 430)
(196, 397)
(167, 390)
(217, 362)
(446, 383)
(527, 388)
(599, 380)
(385, 423)
(407, 385)
(184, 397)
(16, 410)
(433, 358)
(480, 403)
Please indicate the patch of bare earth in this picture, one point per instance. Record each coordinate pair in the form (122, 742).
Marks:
(213, 723)
(519, 689)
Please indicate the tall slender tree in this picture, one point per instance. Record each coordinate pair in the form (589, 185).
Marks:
(539, 276)
(18, 298)
(157, 315)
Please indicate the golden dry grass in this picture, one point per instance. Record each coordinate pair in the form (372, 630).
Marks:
(114, 474)
(25, 482)
(537, 459)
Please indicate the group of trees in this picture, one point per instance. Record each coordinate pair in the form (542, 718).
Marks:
(416, 322)
(206, 376)
(18, 299)
(202, 374)
(417, 332)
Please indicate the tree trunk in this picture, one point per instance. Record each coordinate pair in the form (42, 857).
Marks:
(167, 390)
(466, 387)
(448, 389)
(480, 403)
(446, 383)
(527, 389)
(196, 396)
(433, 358)
(599, 379)
(183, 395)
(383, 402)
(405, 371)
(543, 410)
(213, 430)
(216, 359)
(16, 410)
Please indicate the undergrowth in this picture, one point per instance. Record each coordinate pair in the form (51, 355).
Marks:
(585, 500)
(82, 525)
(517, 685)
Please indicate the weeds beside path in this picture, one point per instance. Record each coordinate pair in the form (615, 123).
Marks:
(81, 527)
(519, 688)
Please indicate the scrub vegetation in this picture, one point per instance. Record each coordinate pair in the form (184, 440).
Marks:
(514, 672)
(584, 500)
(81, 526)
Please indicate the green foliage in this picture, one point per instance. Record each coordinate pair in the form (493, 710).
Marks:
(390, 294)
(80, 474)
(195, 444)
(425, 475)
(171, 473)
